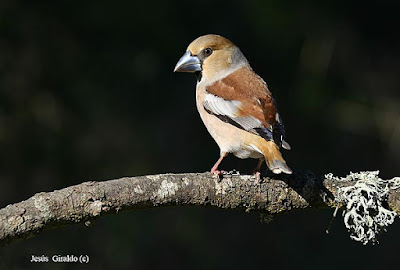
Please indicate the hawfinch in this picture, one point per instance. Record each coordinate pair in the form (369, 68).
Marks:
(234, 103)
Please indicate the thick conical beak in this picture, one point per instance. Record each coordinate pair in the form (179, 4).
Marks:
(188, 63)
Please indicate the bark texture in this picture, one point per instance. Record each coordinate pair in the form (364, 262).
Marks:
(90, 200)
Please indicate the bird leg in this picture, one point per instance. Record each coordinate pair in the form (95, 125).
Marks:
(256, 170)
(214, 169)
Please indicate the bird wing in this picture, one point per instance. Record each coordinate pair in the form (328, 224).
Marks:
(243, 100)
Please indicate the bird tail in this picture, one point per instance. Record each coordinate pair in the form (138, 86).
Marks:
(274, 159)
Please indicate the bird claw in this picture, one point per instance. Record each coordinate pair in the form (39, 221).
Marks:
(257, 175)
(218, 172)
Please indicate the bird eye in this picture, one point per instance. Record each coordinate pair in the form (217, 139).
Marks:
(208, 51)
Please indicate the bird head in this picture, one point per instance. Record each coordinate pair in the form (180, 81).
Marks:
(212, 56)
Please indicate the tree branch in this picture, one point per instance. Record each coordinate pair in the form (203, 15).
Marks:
(90, 200)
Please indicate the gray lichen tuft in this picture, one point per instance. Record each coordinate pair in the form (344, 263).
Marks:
(366, 213)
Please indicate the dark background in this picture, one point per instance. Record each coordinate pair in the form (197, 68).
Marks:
(87, 92)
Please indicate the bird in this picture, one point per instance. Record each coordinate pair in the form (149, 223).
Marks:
(235, 104)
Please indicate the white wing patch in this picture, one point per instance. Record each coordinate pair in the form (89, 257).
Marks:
(221, 106)
(230, 109)
(248, 122)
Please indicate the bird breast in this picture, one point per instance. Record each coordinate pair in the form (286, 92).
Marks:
(229, 138)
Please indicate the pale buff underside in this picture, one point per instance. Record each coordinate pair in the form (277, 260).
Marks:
(229, 138)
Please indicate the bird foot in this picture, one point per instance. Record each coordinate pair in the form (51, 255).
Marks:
(218, 172)
(257, 174)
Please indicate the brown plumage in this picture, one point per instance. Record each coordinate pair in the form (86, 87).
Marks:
(246, 86)
(235, 103)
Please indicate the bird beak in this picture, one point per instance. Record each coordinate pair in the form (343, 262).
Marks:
(188, 63)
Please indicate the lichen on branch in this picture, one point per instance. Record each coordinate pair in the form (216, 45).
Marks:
(366, 212)
(275, 194)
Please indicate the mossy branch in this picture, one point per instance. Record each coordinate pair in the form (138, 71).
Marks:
(88, 201)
